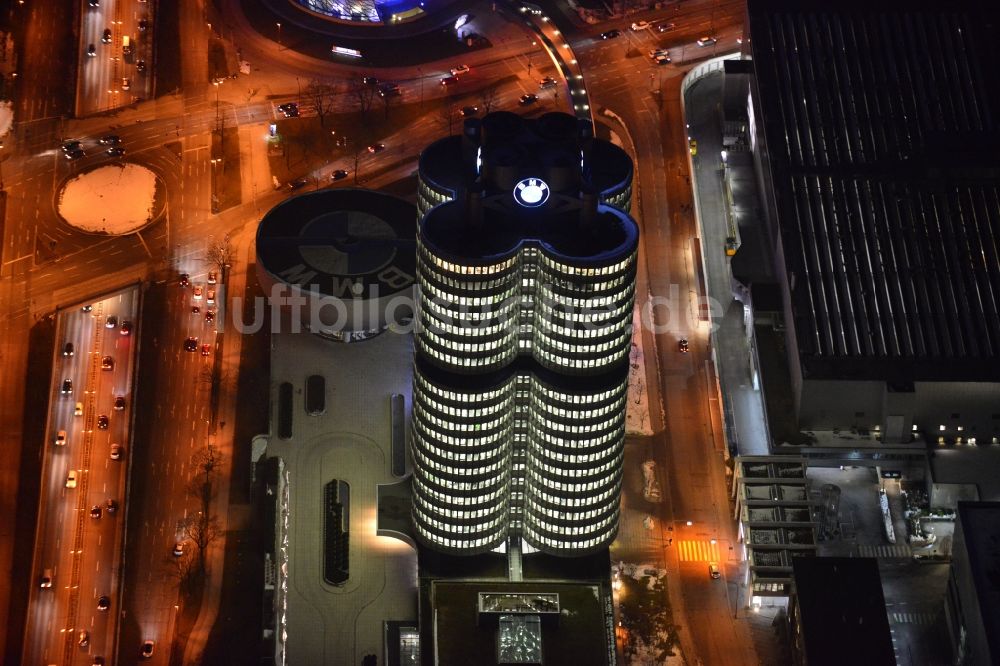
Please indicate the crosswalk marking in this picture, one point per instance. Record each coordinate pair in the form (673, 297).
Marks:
(912, 618)
(897, 551)
(698, 551)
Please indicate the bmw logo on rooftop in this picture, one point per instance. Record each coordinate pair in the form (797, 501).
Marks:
(531, 192)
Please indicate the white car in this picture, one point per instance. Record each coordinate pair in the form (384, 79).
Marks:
(61, 438)
(461, 69)
(197, 293)
(642, 25)
(71, 479)
(707, 41)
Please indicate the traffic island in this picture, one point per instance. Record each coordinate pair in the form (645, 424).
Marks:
(226, 186)
(114, 199)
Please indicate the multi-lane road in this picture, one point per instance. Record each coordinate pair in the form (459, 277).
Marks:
(115, 48)
(81, 518)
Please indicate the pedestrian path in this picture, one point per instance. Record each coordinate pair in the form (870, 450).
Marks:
(924, 619)
(702, 550)
(897, 551)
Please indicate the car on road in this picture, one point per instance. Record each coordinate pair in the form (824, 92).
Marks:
(119, 403)
(611, 34)
(682, 346)
(140, 66)
(289, 109)
(110, 139)
(713, 570)
(147, 649)
(91, 51)
(662, 59)
(185, 279)
(107, 363)
(693, 147)
(206, 349)
(126, 84)
(75, 154)
(470, 111)
(369, 80)
(389, 90)
(68, 349)
(67, 387)
(706, 41)
(530, 98)
(212, 278)
(71, 479)
(116, 452)
(198, 291)
(115, 151)
(126, 328)
(195, 310)
(102, 422)
(665, 27)
(547, 82)
(46, 580)
(449, 80)
(106, 36)
(86, 308)
(103, 603)
(652, 53)
(111, 322)
(83, 639)
(339, 174)
(642, 25)
(94, 3)
(78, 410)
(209, 316)
(178, 549)
(95, 511)
(143, 24)
(71, 145)
(99, 661)
(111, 505)
(376, 148)
(298, 183)
(461, 69)
(210, 297)
(61, 438)
(191, 344)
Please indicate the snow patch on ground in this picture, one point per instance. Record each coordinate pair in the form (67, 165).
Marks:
(637, 410)
(6, 117)
(115, 199)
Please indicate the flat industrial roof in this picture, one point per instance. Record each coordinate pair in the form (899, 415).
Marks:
(981, 531)
(843, 611)
(882, 133)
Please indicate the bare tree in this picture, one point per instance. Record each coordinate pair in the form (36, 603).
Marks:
(446, 114)
(489, 96)
(388, 96)
(364, 97)
(322, 96)
(202, 530)
(220, 252)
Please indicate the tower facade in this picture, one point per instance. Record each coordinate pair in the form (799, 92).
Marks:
(523, 329)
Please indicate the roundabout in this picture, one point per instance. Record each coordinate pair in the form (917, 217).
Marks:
(112, 199)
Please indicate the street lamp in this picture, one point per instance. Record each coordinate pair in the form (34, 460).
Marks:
(279, 35)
